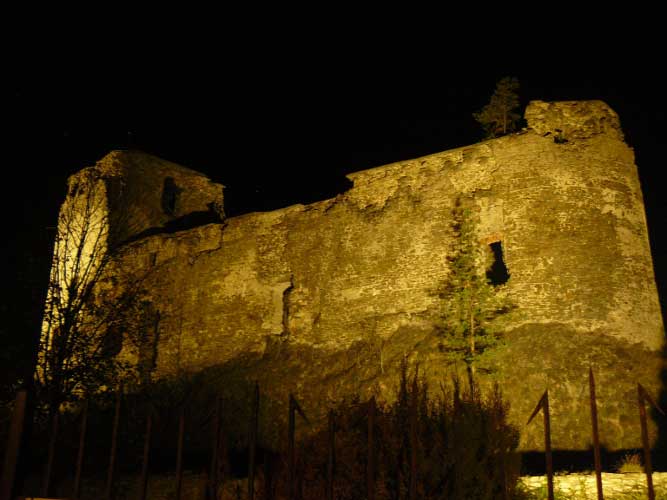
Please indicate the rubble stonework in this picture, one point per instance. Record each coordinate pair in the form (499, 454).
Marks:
(325, 299)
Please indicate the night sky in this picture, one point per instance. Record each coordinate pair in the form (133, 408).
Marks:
(271, 140)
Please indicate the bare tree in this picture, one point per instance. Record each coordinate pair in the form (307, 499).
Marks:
(88, 311)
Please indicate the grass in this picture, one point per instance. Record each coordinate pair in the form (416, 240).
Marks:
(630, 463)
(580, 491)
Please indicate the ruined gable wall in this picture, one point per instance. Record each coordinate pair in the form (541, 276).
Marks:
(140, 185)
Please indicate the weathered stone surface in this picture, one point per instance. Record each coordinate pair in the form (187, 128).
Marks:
(148, 194)
(325, 300)
(573, 119)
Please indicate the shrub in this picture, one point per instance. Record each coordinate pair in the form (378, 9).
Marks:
(631, 462)
(465, 449)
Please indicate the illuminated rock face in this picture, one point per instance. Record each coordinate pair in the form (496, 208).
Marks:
(324, 300)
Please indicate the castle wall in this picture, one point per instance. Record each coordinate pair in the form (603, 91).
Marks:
(149, 195)
(357, 275)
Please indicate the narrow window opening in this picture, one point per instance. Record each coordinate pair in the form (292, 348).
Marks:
(286, 309)
(149, 348)
(112, 342)
(497, 274)
(170, 193)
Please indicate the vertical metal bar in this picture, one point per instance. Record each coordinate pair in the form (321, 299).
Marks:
(80, 453)
(179, 453)
(268, 477)
(370, 466)
(291, 462)
(143, 481)
(114, 444)
(13, 446)
(506, 493)
(596, 435)
(254, 421)
(46, 481)
(648, 467)
(213, 476)
(413, 442)
(331, 455)
(547, 446)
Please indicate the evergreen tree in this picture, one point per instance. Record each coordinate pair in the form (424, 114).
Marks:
(498, 117)
(471, 305)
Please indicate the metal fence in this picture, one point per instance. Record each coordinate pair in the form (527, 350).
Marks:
(18, 421)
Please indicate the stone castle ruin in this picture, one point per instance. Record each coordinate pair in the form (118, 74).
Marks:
(325, 300)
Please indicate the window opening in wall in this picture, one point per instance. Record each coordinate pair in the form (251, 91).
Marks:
(286, 311)
(149, 348)
(112, 342)
(497, 274)
(169, 196)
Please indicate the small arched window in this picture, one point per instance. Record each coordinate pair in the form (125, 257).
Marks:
(170, 192)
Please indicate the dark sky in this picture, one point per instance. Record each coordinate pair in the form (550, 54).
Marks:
(274, 140)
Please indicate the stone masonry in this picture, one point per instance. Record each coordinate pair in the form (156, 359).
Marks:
(325, 299)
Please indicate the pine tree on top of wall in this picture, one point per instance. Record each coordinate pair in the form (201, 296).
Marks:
(470, 305)
(498, 117)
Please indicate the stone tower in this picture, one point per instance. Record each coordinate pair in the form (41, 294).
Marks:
(324, 300)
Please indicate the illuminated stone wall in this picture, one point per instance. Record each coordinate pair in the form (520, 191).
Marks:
(326, 299)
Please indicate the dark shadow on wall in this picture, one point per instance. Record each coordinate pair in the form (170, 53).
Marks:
(533, 462)
(283, 367)
(189, 221)
(193, 395)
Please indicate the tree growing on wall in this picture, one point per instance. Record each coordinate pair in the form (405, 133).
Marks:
(87, 312)
(471, 306)
(499, 116)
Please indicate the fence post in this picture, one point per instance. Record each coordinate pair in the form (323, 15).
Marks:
(268, 477)
(543, 404)
(370, 467)
(179, 453)
(80, 454)
(291, 462)
(13, 446)
(642, 395)
(143, 481)
(254, 421)
(114, 443)
(213, 476)
(331, 456)
(596, 435)
(413, 441)
(46, 481)
(291, 455)
(547, 446)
